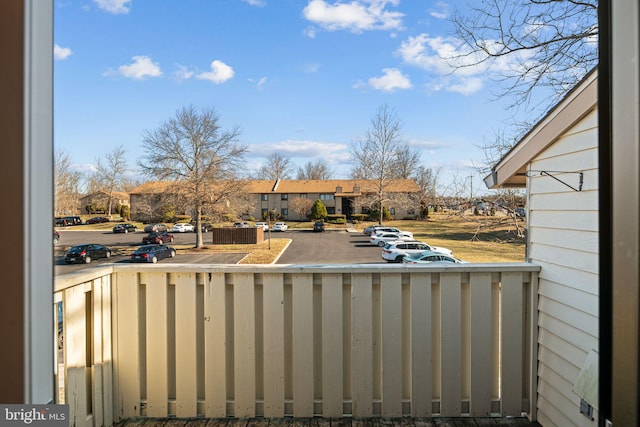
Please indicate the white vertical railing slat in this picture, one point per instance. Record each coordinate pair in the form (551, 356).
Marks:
(481, 351)
(186, 356)
(421, 360)
(215, 331)
(391, 296)
(451, 344)
(273, 324)
(361, 345)
(303, 351)
(244, 347)
(332, 345)
(512, 344)
(156, 344)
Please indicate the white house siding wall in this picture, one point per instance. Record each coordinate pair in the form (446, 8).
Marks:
(563, 239)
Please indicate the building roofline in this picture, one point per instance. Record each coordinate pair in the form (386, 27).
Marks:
(510, 170)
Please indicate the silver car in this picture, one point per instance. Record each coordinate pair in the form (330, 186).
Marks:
(396, 251)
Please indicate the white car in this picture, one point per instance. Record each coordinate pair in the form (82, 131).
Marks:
(431, 258)
(280, 226)
(262, 225)
(396, 251)
(385, 230)
(182, 227)
(383, 238)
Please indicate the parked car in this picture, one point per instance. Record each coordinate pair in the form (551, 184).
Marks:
(125, 228)
(97, 220)
(204, 226)
(56, 236)
(241, 224)
(370, 229)
(280, 226)
(152, 253)
(383, 238)
(157, 237)
(155, 227)
(431, 258)
(84, 254)
(62, 222)
(396, 251)
(318, 226)
(182, 227)
(75, 220)
(386, 230)
(262, 225)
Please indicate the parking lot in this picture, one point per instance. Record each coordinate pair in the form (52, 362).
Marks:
(307, 247)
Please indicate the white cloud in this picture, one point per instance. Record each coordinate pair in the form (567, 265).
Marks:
(453, 66)
(441, 10)
(310, 32)
(183, 73)
(259, 83)
(330, 151)
(259, 3)
(114, 6)
(142, 67)
(466, 86)
(391, 80)
(220, 73)
(356, 16)
(61, 52)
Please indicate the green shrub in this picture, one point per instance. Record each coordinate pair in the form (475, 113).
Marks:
(318, 210)
(359, 217)
(336, 219)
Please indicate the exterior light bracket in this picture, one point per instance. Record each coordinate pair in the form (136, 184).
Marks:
(550, 174)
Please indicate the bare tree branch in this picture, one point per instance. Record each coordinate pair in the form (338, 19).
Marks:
(203, 161)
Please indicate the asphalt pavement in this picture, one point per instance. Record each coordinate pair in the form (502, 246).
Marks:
(344, 246)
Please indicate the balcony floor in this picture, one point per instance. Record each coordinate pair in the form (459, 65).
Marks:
(323, 422)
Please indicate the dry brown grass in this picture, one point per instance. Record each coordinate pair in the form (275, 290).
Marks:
(260, 253)
(456, 232)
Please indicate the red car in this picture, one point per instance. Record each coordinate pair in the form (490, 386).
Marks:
(97, 220)
(157, 237)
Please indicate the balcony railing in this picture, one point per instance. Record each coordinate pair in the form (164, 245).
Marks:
(172, 340)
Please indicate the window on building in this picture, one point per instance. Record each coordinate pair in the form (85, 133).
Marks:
(284, 197)
(392, 211)
(265, 197)
(264, 212)
(285, 211)
(326, 197)
(331, 210)
(303, 195)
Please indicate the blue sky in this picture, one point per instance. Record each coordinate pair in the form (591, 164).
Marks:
(302, 78)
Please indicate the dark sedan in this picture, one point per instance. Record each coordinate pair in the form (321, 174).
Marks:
(160, 237)
(125, 228)
(318, 226)
(152, 253)
(84, 254)
(97, 220)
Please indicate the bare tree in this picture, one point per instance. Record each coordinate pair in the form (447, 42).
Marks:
(276, 166)
(376, 156)
(408, 159)
(203, 161)
(549, 43)
(427, 180)
(318, 170)
(67, 184)
(301, 206)
(110, 174)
